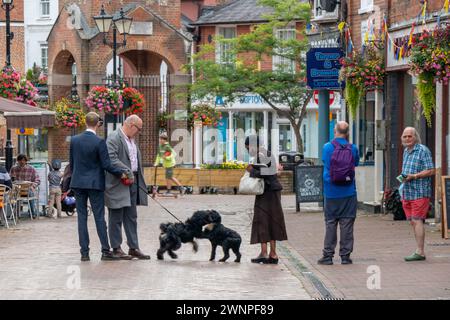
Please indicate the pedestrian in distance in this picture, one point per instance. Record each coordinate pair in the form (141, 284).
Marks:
(89, 160)
(340, 158)
(55, 192)
(417, 170)
(268, 224)
(166, 158)
(122, 196)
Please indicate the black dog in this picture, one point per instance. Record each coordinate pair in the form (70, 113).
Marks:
(219, 235)
(174, 234)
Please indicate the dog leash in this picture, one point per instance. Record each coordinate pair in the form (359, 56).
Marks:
(168, 211)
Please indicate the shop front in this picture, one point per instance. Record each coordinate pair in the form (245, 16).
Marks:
(251, 115)
(405, 109)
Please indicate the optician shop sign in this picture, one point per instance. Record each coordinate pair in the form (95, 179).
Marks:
(323, 68)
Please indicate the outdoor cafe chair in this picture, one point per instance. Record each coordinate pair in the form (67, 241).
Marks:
(5, 193)
(25, 197)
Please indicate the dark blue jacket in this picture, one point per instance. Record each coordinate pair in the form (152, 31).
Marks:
(88, 161)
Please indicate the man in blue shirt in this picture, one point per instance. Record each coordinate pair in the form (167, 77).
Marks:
(340, 200)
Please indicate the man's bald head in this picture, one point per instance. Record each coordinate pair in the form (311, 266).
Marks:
(341, 129)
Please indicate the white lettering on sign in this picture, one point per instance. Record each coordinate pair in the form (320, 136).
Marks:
(256, 99)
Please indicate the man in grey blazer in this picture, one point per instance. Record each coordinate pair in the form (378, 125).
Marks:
(122, 199)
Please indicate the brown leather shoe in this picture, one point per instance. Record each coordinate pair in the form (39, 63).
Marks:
(121, 255)
(136, 253)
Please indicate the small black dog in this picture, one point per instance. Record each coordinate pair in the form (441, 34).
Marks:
(174, 234)
(219, 235)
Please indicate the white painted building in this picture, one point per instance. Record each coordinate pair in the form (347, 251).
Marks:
(39, 16)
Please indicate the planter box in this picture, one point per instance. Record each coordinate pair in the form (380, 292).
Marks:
(224, 180)
(195, 177)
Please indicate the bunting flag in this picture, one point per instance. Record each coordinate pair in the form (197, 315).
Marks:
(446, 4)
(411, 35)
(424, 12)
(341, 26)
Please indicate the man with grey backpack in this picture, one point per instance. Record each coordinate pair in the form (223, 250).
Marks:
(340, 159)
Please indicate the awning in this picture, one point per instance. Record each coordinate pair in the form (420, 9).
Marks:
(21, 115)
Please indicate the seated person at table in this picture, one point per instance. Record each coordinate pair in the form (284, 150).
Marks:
(24, 172)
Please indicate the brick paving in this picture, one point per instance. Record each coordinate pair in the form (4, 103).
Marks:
(39, 259)
(381, 242)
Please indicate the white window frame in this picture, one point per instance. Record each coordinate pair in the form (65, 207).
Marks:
(366, 6)
(277, 61)
(44, 4)
(223, 47)
(44, 58)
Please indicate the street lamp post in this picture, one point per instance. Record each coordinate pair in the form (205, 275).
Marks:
(122, 24)
(7, 5)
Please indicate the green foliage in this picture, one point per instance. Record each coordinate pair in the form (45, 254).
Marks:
(353, 95)
(427, 95)
(227, 165)
(243, 75)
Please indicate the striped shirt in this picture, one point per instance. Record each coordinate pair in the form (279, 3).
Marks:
(415, 161)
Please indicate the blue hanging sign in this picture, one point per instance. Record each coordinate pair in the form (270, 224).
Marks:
(323, 65)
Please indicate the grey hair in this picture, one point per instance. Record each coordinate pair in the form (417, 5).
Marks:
(131, 119)
(416, 134)
(342, 127)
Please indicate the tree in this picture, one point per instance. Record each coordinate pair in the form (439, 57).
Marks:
(283, 89)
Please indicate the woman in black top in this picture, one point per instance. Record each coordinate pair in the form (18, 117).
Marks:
(268, 220)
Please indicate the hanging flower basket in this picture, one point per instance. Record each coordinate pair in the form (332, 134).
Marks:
(208, 115)
(107, 100)
(69, 114)
(361, 73)
(430, 62)
(15, 87)
(133, 101)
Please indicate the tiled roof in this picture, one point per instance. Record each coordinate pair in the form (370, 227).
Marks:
(235, 11)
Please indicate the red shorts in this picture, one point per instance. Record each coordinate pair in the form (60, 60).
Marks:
(416, 209)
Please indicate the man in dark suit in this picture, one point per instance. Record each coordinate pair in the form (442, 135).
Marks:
(88, 161)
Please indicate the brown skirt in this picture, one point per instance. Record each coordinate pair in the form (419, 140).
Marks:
(268, 219)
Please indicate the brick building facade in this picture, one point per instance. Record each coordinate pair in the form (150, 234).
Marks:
(18, 43)
(396, 105)
(156, 36)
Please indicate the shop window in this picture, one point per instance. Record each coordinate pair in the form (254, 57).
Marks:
(224, 54)
(285, 137)
(34, 146)
(246, 123)
(366, 129)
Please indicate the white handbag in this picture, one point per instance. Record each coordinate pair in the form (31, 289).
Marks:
(249, 185)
